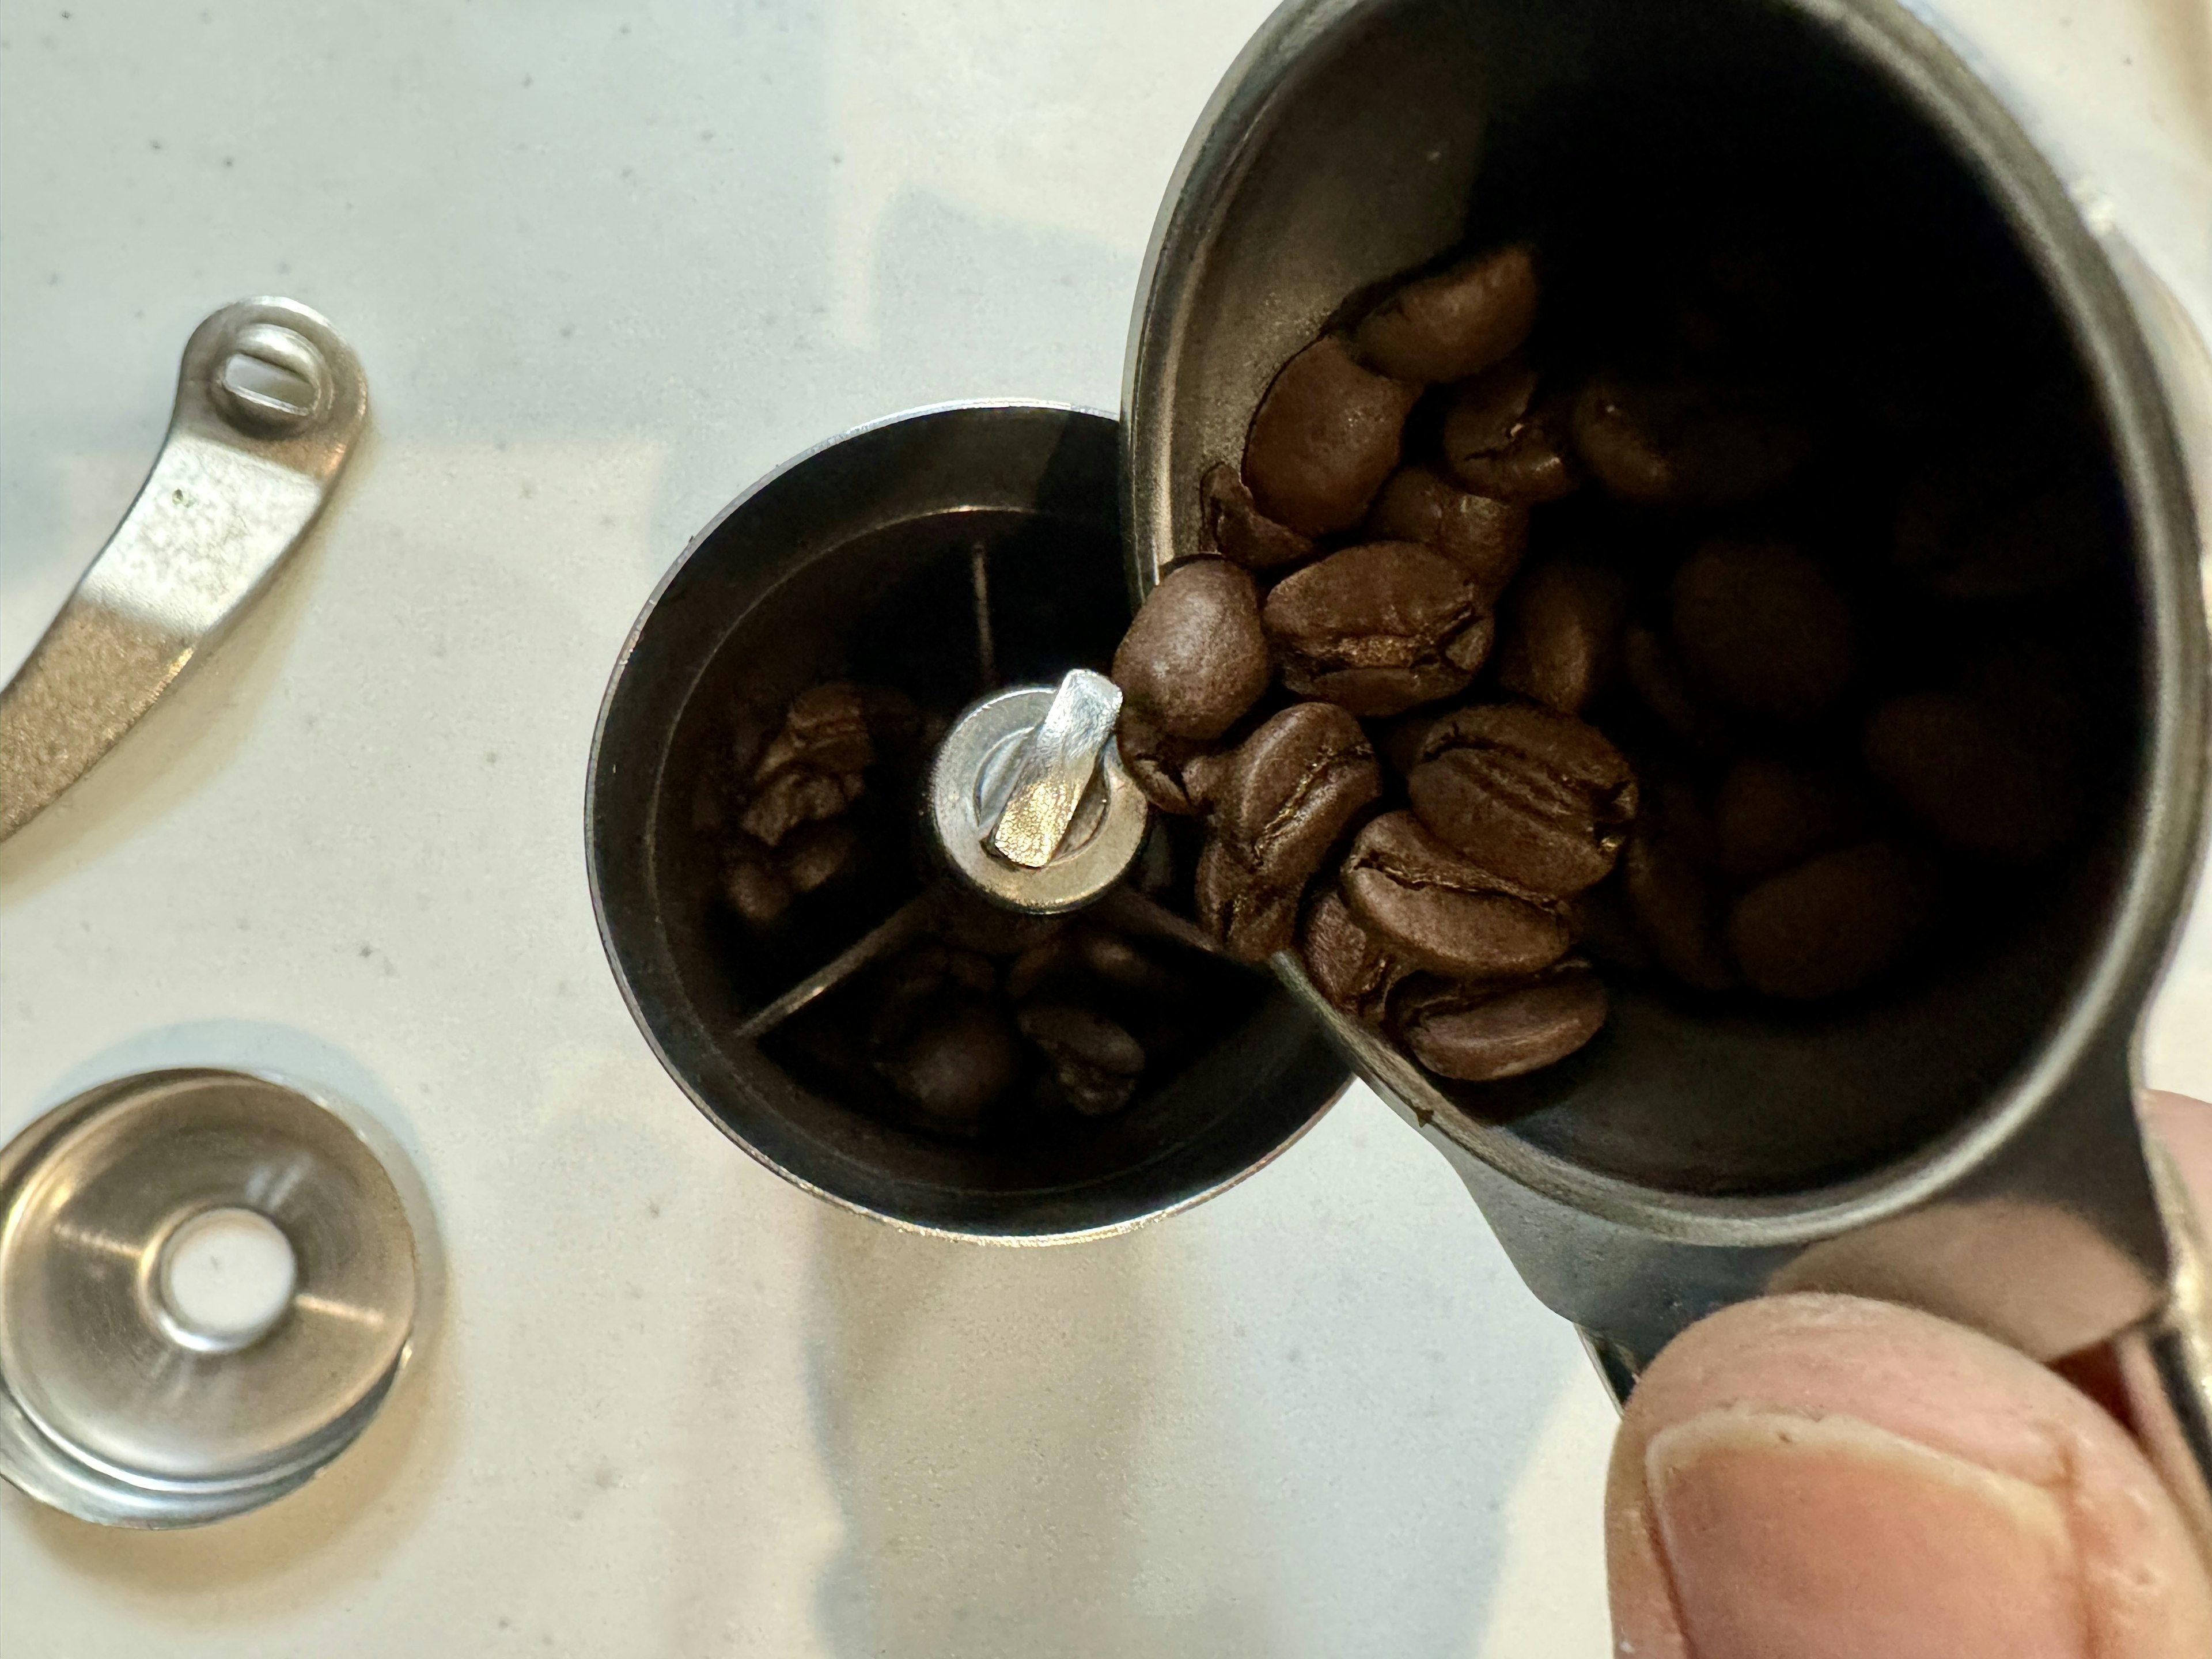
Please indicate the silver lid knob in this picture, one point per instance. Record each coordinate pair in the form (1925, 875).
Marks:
(1029, 800)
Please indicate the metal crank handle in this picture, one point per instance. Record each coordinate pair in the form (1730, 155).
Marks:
(270, 402)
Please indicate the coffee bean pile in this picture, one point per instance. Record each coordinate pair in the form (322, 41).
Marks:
(792, 832)
(979, 1022)
(996, 1025)
(1444, 565)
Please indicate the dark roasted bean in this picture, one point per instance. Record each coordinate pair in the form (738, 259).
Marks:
(1479, 1033)
(1276, 805)
(2008, 520)
(1096, 1065)
(1483, 537)
(814, 855)
(1119, 960)
(1603, 926)
(1325, 437)
(1378, 628)
(1351, 965)
(824, 730)
(1654, 671)
(799, 795)
(1044, 967)
(1502, 440)
(1833, 925)
(1456, 323)
(1444, 912)
(812, 768)
(1687, 445)
(1558, 640)
(1155, 761)
(1763, 625)
(953, 1069)
(1538, 797)
(1236, 529)
(1667, 876)
(1972, 780)
(756, 890)
(1194, 658)
(1770, 814)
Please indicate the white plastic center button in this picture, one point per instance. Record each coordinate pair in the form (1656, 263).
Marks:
(227, 1276)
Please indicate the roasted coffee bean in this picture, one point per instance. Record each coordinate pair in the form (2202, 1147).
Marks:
(1155, 761)
(1687, 444)
(1667, 875)
(814, 855)
(1324, 439)
(1654, 671)
(1440, 910)
(1236, 529)
(920, 973)
(824, 730)
(1502, 440)
(796, 797)
(1456, 323)
(813, 769)
(1043, 968)
(1095, 1064)
(1558, 640)
(1479, 1033)
(755, 890)
(1763, 625)
(1679, 912)
(1972, 780)
(1351, 965)
(1120, 961)
(1276, 805)
(953, 1070)
(1486, 412)
(1835, 924)
(1603, 927)
(1770, 814)
(1483, 537)
(1196, 658)
(1378, 628)
(2003, 522)
(1537, 797)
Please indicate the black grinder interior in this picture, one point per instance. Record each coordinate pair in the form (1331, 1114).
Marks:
(933, 558)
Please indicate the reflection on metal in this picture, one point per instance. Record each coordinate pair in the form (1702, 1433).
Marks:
(270, 402)
(1053, 769)
(207, 1286)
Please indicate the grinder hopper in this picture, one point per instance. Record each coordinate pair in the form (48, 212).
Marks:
(1969, 1144)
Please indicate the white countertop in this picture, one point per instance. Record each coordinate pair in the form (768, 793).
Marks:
(605, 264)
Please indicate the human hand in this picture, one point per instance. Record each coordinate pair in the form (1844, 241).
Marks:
(1820, 1477)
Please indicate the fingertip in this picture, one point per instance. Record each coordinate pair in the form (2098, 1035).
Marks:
(2183, 1127)
(1871, 1470)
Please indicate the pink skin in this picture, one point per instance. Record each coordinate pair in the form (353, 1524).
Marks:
(1822, 1477)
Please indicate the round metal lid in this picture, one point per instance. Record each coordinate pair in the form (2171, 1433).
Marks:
(208, 1283)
